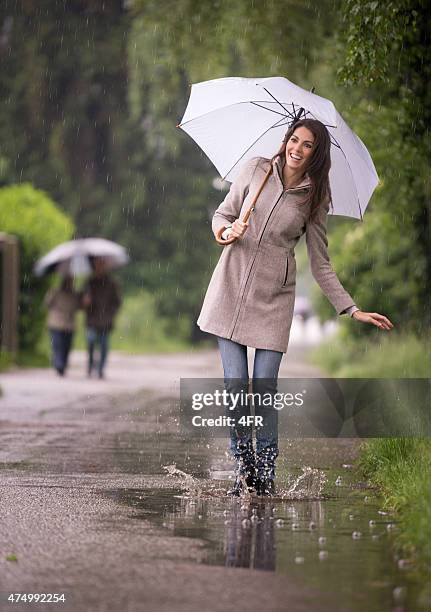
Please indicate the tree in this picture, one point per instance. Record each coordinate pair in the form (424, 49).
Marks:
(387, 53)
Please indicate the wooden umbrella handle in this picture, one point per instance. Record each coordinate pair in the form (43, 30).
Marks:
(246, 217)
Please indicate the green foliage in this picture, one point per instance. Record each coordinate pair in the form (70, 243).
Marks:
(401, 467)
(382, 355)
(376, 34)
(139, 328)
(385, 52)
(5, 362)
(39, 225)
(380, 259)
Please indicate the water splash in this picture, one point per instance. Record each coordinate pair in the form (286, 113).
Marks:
(188, 479)
(308, 485)
(192, 486)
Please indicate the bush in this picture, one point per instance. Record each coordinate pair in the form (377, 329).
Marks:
(39, 225)
(139, 328)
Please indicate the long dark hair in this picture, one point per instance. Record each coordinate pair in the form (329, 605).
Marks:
(319, 163)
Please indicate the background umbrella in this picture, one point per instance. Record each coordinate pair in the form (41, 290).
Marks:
(236, 119)
(74, 257)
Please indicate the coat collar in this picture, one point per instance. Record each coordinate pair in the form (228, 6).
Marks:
(278, 173)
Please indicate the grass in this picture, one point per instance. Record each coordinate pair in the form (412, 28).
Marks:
(393, 355)
(400, 467)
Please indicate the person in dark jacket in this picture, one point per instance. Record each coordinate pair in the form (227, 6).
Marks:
(101, 301)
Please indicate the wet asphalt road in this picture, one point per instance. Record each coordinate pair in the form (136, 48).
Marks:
(83, 492)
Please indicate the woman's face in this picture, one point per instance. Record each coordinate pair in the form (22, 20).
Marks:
(299, 149)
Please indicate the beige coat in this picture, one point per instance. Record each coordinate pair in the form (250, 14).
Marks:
(251, 294)
(62, 307)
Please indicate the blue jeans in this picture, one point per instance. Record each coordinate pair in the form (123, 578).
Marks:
(97, 337)
(61, 342)
(236, 379)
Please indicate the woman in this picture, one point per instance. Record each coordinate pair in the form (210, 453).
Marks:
(62, 304)
(250, 299)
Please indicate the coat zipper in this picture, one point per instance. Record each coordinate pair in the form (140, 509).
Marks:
(257, 250)
(254, 259)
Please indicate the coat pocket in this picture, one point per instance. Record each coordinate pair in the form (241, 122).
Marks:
(286, 271)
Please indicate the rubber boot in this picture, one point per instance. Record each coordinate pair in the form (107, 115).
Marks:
(265, 466)
(245, 480)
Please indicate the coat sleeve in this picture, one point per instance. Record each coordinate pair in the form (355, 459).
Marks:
(321, 268)
(230, 208)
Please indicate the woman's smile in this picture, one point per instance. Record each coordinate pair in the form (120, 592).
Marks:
(299, 148)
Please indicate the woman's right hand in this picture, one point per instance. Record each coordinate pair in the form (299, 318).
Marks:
(238, 228)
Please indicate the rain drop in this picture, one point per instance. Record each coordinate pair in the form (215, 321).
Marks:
(323, 554)
(399, 594)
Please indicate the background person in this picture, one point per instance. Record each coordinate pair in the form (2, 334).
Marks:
(62, 304)
(101, 301)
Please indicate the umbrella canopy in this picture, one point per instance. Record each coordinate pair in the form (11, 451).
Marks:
(236, 119)
(74, 257)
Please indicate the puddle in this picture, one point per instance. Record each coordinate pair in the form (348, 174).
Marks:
(341, 544)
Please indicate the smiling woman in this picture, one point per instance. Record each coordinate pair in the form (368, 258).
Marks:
(299, 149)
(251, 296)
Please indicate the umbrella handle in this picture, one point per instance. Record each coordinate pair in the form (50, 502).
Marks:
(246, 217)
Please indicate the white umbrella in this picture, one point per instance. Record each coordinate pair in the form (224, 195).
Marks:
(235, 119)
(73, 257)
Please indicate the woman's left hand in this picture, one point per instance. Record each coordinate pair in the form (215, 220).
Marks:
(374, 318)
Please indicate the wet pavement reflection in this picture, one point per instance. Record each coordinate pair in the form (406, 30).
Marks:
(324, 530)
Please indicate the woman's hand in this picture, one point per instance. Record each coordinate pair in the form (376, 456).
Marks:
(374, 318)
(238, 228)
